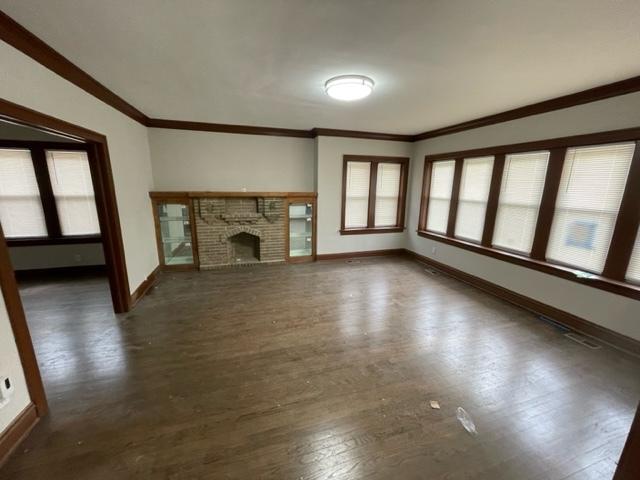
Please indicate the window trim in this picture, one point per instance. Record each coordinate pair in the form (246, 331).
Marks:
(626, 227)
(373, 178)
(39, 159)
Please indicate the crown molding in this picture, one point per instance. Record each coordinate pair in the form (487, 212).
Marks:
(623, 87)
(23, 40)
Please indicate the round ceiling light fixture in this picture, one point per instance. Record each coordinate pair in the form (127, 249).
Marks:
(349, 87)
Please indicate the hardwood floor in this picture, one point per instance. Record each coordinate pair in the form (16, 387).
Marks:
(316, 371)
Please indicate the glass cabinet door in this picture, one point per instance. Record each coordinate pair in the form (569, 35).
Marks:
(175, 233)
(300, 229)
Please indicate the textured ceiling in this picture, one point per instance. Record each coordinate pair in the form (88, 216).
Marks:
(264, 62)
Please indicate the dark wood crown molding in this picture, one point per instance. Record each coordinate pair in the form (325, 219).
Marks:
(623, 87)
(330, 132)
(226, 128)
(22, 39)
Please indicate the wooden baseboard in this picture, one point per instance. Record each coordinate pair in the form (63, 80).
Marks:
(574, 322)
(144, 287)
(61, 272)
(369, 253)
(17, 431)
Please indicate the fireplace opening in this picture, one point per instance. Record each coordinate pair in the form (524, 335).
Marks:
(245, 248)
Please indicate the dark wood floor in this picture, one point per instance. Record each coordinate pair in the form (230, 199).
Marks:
(316, 371)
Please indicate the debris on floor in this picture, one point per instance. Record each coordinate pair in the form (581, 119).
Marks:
(466, 421)
(431, 271)
(434, 404)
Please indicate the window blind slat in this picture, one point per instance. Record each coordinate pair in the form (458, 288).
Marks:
(356, 207)
(440, 195)
(21, 213)
(387, 194)
(633, 271)
(73, 191)
(473, 196)
(591, 188)
(519, 202)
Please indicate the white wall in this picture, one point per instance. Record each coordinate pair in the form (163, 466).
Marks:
(26, 82)
(54, 256)
(10, 367)
(615, 312)
(191, 160)
(329, 153)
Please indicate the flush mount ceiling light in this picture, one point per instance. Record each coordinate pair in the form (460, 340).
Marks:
(349, 87)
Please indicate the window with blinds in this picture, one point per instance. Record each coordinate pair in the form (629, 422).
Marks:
(387, 194)
(73, 192)
(356, 208)
(633, 271)
(21, 213)
(473, 196)
(591, 187)
(519, 201)
(440, 190)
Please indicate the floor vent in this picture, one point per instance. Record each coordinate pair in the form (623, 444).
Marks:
(583, 340)
(353, 261)
(431, 271)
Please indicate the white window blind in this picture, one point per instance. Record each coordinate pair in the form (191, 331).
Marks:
(591, 188)
(519, 202)
(73, 192)
(440, 195)
(356, 207)
(387, 194)
(633, 271)
(473, 196)
(21, 213)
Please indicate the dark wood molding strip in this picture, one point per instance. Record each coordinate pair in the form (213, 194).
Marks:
(567, 273)
(40, 241)
(23, 40)
(47, 198)
(145, 286)
(572, 321)
(629, 464)
(368, 231)
(547, 207)
(226, 128)
(455, 195)
(205, 194)
(17, 432)
(370, 253)
(424, 198)
(332, 132)
(20, 329)
(623, 87)
(627, 224)
(492, 201)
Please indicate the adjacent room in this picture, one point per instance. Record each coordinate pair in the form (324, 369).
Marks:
(299, 239)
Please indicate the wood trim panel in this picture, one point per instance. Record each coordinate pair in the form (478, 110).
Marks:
(23, 40)
(17, 432)
(69, 240)
(204, 194)
(61, 272)
(226, 128)
(599, 282)
(627, 223)
(145, 286)
(629, 464)
(332, 132)
(623, 87)
(455, 195)
(548, 203)
(424, 197)
(492, 200)
(49, 208)
(572, 321)
(370, 253)
(375, 160)
(20, 329)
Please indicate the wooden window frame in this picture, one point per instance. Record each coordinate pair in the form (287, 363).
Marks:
(373, 179)
(39, 159)
(612, 278)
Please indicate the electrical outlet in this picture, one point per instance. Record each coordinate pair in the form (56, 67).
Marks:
(6, 390)
(433, 250)
(77, 257)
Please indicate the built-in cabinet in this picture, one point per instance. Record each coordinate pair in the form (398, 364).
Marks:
(301, 229)
(175, 232)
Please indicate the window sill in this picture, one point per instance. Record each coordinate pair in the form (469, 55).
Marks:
(365, 231)
(70, 240)
(567, 273)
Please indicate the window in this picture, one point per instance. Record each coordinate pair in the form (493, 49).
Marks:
(633, 272)
(440, 191)
(591, 187)
(21, 213)
(519, 201)
(73, 192)
(374, 193)
(357, 198)
(46, 195)
(567, 206)
(472, 200)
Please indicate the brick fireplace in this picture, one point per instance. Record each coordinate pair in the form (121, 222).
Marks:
(239, 231)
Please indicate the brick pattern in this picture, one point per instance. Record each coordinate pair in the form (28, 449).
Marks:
(219, 219)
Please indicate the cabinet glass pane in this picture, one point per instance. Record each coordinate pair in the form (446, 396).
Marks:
(300, 229)
(175, 233)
